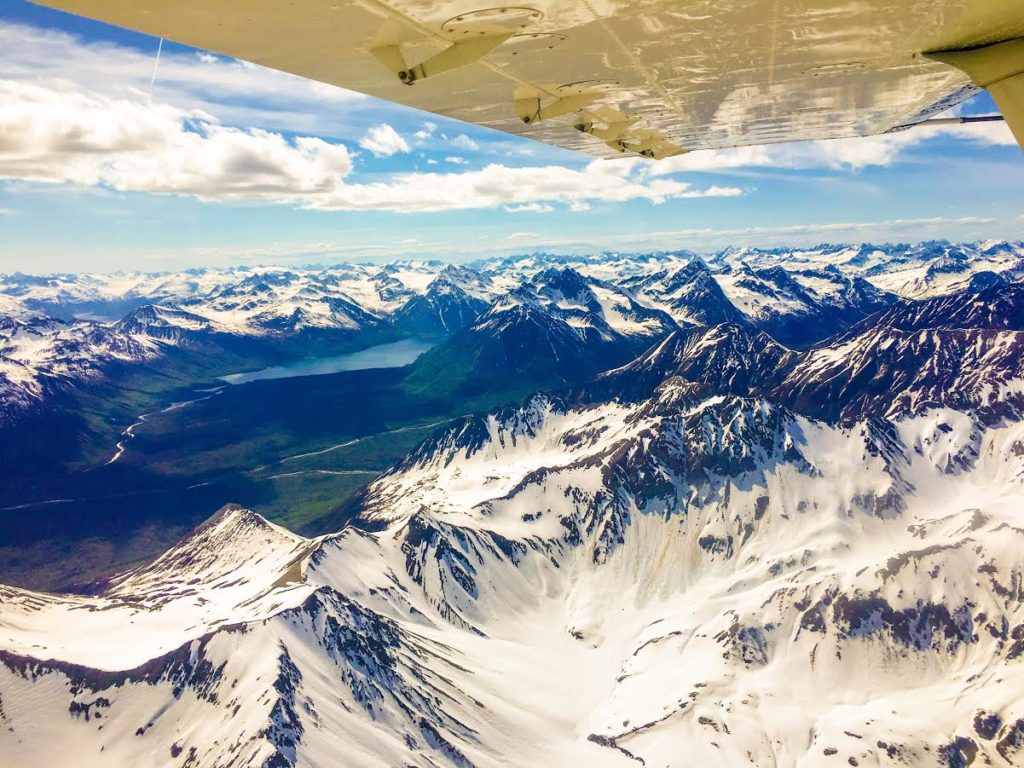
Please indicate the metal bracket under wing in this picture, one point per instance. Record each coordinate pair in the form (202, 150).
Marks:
(455, 56)
(531, 110)
(618, 131)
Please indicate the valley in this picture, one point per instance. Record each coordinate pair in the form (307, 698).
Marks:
(298, 463)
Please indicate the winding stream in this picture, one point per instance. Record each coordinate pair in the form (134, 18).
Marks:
(129, 433)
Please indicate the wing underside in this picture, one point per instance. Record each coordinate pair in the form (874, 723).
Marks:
(653, 77)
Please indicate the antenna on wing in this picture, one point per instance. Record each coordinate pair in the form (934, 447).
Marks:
(156, 63)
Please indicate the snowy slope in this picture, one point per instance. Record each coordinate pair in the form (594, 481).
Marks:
(235, 567)
(677, 581)
(690, 293)
(587, 303)
(37, 353)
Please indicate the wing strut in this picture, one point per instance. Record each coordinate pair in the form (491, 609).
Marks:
(998, 68)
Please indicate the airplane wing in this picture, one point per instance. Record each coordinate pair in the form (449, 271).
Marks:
(651, 77)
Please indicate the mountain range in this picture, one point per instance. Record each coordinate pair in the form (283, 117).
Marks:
(746, 508)
(67, 328)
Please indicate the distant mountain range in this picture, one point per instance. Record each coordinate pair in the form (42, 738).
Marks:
(67, 328)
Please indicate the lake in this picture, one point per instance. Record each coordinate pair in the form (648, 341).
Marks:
(393, 355)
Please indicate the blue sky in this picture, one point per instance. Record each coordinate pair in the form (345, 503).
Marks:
(221, 162)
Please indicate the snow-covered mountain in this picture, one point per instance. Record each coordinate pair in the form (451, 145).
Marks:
(588, 303)
(800, 308)
(681, 580)
(451, 301)
(557, 328)
(165, 322)
(723, 359)
(910, 270)
(800, 296)
(965, 351)
(37, 353)
(690, 293)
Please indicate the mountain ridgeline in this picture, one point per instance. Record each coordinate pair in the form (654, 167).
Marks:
(756, 508)
(580, 316)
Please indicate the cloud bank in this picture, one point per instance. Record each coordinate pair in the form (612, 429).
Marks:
(57, 132)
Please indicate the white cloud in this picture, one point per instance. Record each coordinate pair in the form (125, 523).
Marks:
(456, 160)
(66, 135)
(498, 185)
(530, 208)
(522, 236)
(849, 227)
(426, 131)
(239, 93)
(383, 141)
(462, 141)
(836, 154)
(60, 133)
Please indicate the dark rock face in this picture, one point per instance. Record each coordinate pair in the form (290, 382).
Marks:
(1011, 742)
(892, 373)
(424, 539)
(981, 281)
(987, 724)
(924, 627)
(996, 308)
(285, 729)
(168, 323)
(959, 753)
(725, 359)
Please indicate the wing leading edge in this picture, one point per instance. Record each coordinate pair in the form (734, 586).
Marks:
(650, 77)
